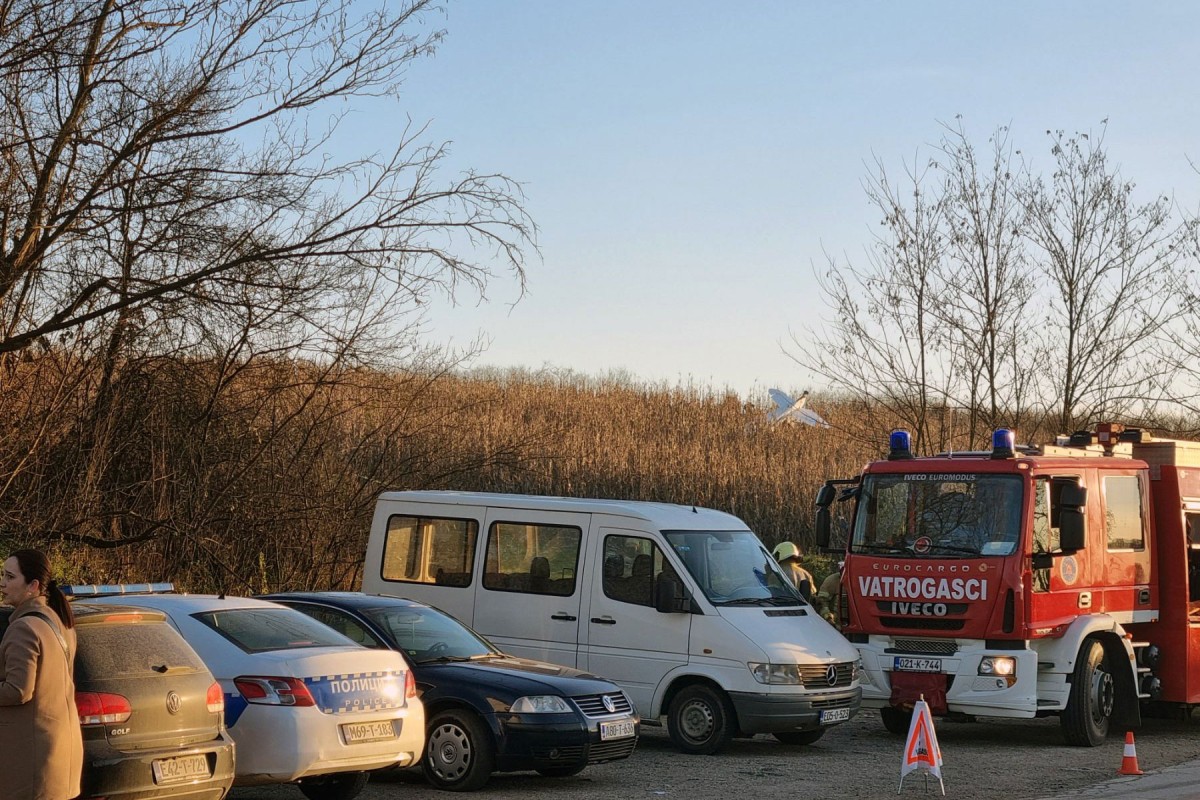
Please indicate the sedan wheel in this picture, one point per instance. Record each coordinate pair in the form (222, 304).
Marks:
(459, 755)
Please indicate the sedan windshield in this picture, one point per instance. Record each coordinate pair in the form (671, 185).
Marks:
(938, 516)
(427, 635)
(733, 568)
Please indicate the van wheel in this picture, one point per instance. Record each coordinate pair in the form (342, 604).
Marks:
(343, 786)
(1089, 708)
(701, 720)
(896, 720)
(565, 771)
(799, 737)
(459, 756)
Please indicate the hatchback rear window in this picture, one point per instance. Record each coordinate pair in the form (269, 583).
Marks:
(260, 630)
(132, 651)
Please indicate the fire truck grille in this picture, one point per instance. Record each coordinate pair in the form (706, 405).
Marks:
(933, 647)
(923, 623)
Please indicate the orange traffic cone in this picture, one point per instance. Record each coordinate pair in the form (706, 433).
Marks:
(1129, 765)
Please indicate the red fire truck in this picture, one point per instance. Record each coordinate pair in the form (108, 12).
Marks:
(1026, 581)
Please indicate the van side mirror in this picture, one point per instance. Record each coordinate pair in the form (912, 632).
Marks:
(669, 595)
(1072, 518)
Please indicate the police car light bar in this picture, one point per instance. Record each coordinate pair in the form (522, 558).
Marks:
(113, 589)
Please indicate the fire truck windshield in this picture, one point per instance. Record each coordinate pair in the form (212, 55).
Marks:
(931, 515)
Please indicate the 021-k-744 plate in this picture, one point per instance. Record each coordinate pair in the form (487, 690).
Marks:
(908, 664)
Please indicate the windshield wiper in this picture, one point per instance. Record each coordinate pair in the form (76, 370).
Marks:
(881, 548)
(745, 601)
(446, 660)
(953, 548)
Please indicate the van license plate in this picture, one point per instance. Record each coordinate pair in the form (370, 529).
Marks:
(832, 715)
(906, 664)
(180, 768)
(360, 732)
(618, 729)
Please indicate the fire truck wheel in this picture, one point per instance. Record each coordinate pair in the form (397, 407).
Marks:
(896, 720)
(1090, 706)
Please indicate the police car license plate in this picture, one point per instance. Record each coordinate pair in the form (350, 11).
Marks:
(906, 664)
(360, 732)
(180, 768)
(617, 729)
(831, 715)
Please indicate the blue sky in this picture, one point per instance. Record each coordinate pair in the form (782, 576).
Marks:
(688, 162)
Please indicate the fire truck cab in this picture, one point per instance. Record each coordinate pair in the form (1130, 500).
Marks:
(1026, 581)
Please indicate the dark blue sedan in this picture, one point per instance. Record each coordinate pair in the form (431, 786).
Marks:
(485, 711)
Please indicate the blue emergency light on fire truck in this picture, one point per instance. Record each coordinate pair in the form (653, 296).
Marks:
(1025, 581)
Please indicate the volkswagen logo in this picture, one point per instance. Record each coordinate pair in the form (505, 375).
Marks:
(608, 703)
(174, 702)
(831, 675)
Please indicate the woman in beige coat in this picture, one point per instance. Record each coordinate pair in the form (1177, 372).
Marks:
(41, 746)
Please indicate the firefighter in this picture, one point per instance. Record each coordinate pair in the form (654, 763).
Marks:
(826, 601)
(788, 555)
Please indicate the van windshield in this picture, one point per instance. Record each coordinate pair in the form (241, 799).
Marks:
(733, 568)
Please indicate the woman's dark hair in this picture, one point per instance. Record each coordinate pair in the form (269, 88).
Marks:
(35, 566)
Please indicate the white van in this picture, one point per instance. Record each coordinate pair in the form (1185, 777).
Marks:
(682, 607)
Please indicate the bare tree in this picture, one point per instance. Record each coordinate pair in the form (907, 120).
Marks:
(1114, 268)
(156, 151)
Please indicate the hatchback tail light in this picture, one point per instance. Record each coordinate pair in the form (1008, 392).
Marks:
(101, 708)
(215, 699)
(274, 691)
(410, 685)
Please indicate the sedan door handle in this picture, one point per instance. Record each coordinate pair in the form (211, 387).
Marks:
(604, 620)
(564, 617)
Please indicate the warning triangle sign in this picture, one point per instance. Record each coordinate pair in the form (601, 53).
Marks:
(921, 751)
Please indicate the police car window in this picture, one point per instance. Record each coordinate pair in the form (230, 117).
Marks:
(429, 550)
(261, 630)
(534, 559)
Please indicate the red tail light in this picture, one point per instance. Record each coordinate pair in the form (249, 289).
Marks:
(410, 685)
(215, 699)
(274, 691)
(101, 708)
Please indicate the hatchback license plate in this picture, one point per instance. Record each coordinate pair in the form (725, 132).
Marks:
(831, 715)
(180, 768)
(906, 664)
(360, 732)
(617, 729)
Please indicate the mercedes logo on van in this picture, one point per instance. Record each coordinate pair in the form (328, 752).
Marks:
(608, 703)
(831, 675)
(174, 702)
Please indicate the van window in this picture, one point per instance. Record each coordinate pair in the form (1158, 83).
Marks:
(535, 559)
(631, 565)
(1123, 512)
(429, 550)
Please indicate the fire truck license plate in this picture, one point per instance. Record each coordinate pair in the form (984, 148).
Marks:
(907, 664)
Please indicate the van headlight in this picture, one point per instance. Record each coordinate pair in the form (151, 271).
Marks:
(776, 673)
(540, 704)
(856, 671)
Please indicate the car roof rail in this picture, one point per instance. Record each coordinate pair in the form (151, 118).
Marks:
(115, 589)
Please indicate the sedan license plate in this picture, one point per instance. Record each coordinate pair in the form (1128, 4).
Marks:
(180, 768)
(617, 729)
(906, 664)
(832, 715)
(360, 732)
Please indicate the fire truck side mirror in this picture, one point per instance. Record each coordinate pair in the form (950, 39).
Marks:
(823, 526)
(1072, 520)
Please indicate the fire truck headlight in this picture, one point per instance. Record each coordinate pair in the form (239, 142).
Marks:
(1002, 666)
(776, 673)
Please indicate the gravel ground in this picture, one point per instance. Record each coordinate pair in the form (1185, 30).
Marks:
(1000, 759)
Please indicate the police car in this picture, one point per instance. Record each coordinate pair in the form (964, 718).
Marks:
(302, 702)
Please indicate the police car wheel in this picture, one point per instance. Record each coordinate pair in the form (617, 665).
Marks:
(343, 786)
(700, 720)
(799, 737)
(459, 755)
(561, 772)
